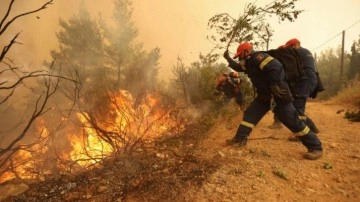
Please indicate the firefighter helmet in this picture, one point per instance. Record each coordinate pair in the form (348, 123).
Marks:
(292, 42)
(243, 50)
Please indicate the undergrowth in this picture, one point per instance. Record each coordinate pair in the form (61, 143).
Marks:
(350, 95)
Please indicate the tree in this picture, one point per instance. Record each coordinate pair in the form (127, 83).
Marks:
(251, 24)
(202, 78)
(328, 65)
(354, 67)
(107, 63)
(15, 82)
(133, 68)
(180, 78)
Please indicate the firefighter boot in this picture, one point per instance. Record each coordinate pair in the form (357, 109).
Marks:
(313, 154)
(235, 142)
(313, 144)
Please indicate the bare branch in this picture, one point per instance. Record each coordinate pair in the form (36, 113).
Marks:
(3, 29)
(7, 48)
(7, 13)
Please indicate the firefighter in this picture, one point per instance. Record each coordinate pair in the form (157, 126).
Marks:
(277, 123)
(303, 88)
(229, 85)
(268, 77)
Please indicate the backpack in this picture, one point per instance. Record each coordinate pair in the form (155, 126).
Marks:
(291, 61)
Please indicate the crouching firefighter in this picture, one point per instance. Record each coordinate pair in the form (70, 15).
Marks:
(229, 85)
(268, 77)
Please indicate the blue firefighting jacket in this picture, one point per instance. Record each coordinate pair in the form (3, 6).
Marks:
(264, 71)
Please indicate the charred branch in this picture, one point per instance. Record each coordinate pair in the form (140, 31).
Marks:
(4, 25)
(7, 48)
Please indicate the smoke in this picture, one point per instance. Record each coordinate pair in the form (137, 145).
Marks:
(178, 28)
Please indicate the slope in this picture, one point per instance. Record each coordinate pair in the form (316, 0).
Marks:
(271, 168)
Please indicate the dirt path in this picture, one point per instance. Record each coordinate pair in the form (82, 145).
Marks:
(271, 168)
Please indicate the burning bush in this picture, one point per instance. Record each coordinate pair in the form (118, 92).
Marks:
(124, 125)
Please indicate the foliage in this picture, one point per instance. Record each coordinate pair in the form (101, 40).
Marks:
(105, 56)
(354, 67)
(133, 68)
(280, 173)
(251, 25)
(350, 93)
(328, 65)
(196, 84)
(328, 166)
(202, 78)
(353, 115)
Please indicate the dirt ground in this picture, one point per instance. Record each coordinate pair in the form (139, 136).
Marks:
(269, 168)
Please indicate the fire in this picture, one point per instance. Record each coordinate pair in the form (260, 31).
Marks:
(22, 160)
(90, 150)
(124, 122)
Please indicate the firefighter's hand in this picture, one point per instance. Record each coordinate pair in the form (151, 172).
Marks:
(277, 91)
(226, 54)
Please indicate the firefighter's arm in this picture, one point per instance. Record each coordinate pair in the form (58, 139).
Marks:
(272, 67)
(276, 74)
(232, 63)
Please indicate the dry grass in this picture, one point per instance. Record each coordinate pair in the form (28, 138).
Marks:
(350, 94)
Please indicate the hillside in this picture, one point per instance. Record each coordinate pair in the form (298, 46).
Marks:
(201, 168)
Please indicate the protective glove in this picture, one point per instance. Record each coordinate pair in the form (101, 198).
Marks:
(278, 92)
(226, 54)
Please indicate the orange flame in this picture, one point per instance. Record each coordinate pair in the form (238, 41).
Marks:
(130, 120)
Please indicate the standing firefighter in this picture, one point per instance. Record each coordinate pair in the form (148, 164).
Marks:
(229, 85)
(268, 77)
(306, 86)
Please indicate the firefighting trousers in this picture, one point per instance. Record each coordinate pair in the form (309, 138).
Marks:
(300, 104)
(286, 113)
(302, 91)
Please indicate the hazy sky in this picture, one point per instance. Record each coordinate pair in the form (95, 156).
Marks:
(179, 27)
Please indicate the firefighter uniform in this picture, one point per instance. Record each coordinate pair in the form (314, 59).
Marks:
(229, 84)
(266, 72)
(305, 86)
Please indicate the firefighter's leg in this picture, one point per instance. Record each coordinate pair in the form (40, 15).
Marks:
(300, 104)
(252, 116)
(302, 91)
(312, 125)
(288, 115)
